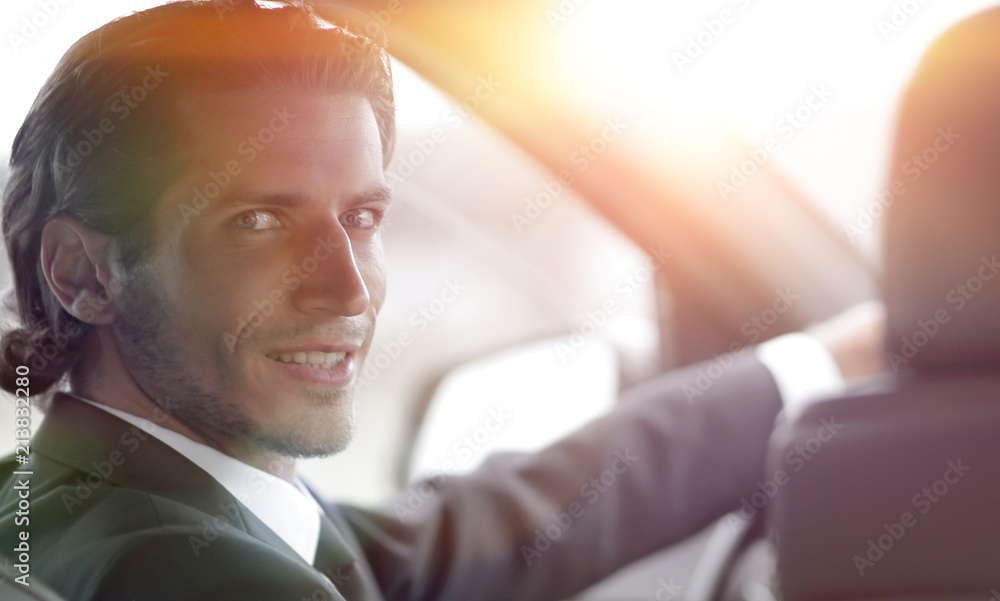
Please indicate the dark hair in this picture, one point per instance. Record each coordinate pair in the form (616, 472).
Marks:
(98, 143)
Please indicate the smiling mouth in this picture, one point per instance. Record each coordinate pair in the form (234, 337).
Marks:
(313, 359)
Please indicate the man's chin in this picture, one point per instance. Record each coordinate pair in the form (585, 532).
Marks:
(314, 425)
(306, 449)
(316, 439)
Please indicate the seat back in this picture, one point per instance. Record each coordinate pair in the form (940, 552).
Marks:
(890, 494)
(897, 493)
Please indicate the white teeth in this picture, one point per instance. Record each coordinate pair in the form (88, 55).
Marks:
(314, 359)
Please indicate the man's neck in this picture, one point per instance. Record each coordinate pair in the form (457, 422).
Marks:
(238, 448)
(102, 378)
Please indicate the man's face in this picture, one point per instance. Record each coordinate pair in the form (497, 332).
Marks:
(254, 310)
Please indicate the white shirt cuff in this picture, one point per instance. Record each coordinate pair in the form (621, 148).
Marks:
(802, 368)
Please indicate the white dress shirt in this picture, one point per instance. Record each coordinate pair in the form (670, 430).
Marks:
(287, 509)
(803, 369)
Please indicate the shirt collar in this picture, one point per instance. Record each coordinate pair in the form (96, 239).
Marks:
(287, 509)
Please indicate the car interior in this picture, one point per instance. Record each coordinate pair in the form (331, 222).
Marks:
(591, 192)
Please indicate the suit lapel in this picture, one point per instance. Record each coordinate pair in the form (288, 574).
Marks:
(127, 456)
(333, 557)
(337, 557)
(118, 452)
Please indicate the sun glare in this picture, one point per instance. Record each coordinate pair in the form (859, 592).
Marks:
(820, 80)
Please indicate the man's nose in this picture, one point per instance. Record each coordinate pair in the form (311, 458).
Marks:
(332, 280)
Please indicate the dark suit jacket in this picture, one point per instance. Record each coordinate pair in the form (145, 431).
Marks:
(117, 515)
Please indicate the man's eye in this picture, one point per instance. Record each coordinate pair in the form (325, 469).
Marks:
(257, 221)
(362, 218)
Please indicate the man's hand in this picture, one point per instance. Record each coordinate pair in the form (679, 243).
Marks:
(855, 339)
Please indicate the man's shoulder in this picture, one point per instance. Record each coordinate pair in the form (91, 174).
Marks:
(175, 563)
(91, 538)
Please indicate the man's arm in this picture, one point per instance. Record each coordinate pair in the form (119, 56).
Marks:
(681, 451)
(543, 526)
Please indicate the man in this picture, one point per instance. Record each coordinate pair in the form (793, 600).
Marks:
(228, 150)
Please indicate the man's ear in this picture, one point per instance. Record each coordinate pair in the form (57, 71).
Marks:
(76, 261)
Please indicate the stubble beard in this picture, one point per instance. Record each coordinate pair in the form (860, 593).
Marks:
(154, 357)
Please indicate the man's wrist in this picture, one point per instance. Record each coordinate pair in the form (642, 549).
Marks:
(803, 369)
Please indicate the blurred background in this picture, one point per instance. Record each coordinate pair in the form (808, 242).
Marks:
(490, 255)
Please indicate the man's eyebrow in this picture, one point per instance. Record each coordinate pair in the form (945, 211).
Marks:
(380, 193)
(276, 200)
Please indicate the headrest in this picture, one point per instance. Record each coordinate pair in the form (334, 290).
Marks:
(942, 234)
(890, 494)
